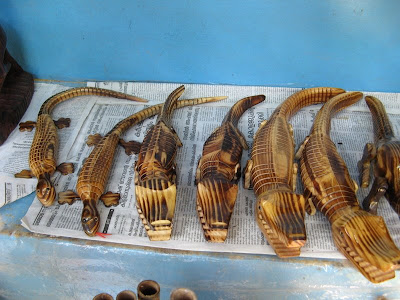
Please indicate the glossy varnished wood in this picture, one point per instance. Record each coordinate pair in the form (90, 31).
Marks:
(44, 149)
(93, 177)
(362, 237)
(219, 170)
(384, 156)
(155, 174)
(272, 174)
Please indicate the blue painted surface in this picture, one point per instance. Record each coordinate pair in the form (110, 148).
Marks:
(351, 44)
(41, 267)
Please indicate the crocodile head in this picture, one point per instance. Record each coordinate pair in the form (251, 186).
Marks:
(280, 216)
(45, 190)
(216, 199)
(364, 239)
(90, 218)
(155, 202)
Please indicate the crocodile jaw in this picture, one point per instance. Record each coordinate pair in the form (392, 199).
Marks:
(364, 239)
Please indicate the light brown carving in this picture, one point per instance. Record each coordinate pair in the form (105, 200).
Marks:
(219, 170)
(384, 155)
(93, 177)
(271, 172)
(44, 149)
(362, 237)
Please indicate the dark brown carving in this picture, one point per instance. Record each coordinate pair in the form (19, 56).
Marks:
(16, 90)
(272, 174)
(219, 170)
(384, 155)
(362, 237)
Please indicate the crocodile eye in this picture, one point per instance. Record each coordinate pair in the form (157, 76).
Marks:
(96, 219)
(84, 220)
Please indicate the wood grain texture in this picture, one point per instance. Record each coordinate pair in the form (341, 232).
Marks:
(272, 174)
(155, 175)
(384, 156)
(219, 170)
(44, 149)
(362, 237)
(94, 174)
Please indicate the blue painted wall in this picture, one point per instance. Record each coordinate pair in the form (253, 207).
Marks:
(350, 44)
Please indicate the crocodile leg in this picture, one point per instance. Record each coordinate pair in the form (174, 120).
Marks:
(364, 165)
(238, 173)
(27, 126)
(93, 139)
(24, 174)
(62, 122)
(66, 168)
(299, 152)
(310, 207)
(67, 197)
(110, 199)
(379, 188)
(131, 147)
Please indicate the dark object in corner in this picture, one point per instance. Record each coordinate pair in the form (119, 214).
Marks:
(16, 90)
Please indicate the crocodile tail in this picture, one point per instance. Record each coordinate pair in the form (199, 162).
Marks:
(364, 239)
(240, 107)
(382, 127)
(322, 121)
(280, 216)
(216, 197)
(51, 102)
(155, 109)
(170, 104)
(305, 98)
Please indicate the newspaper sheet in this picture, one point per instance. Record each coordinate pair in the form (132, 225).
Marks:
(351, 129)
(15, 151)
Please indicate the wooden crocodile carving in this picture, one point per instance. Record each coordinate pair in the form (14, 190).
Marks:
(155, 174)
(362, 237)
(44, 149)
(279, 211)
(96, 169)
(385, 158)
(219, 170)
